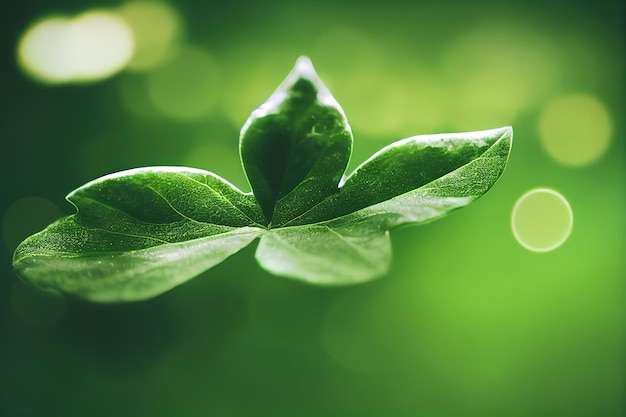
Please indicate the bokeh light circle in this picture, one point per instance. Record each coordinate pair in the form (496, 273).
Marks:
(542, 220)
(186, 87)
(41, 52)
(575, 129)
(495, 72)
(156, 26)
(89, 47)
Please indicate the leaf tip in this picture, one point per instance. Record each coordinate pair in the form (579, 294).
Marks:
(496, 135)
(304, 68)
(507, 132)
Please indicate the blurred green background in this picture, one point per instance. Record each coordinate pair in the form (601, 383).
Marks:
(467, 323)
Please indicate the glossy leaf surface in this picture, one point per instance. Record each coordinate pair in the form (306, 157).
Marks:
(355, 247)
(295, 147)
(139, 233)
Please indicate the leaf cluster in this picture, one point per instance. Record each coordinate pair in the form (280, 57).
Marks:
(141, 232)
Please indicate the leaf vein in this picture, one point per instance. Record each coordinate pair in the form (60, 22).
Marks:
(174, 208)
(156, 239)
(220, 194)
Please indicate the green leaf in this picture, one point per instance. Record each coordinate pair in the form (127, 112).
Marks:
(392, 190)
(327, 254)
(295, 147)
(413, 163)
(139, 233)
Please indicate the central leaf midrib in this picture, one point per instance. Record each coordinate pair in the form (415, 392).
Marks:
(182, 215)
(133, 218)
(98, 253)
(218, 193)
(280, 195)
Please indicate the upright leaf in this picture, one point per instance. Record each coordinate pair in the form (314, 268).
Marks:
(295, 147)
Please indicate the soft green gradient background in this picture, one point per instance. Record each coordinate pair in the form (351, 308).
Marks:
(467, 323)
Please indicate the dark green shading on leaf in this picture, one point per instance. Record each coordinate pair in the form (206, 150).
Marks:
(295, 147)
(139, 233)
